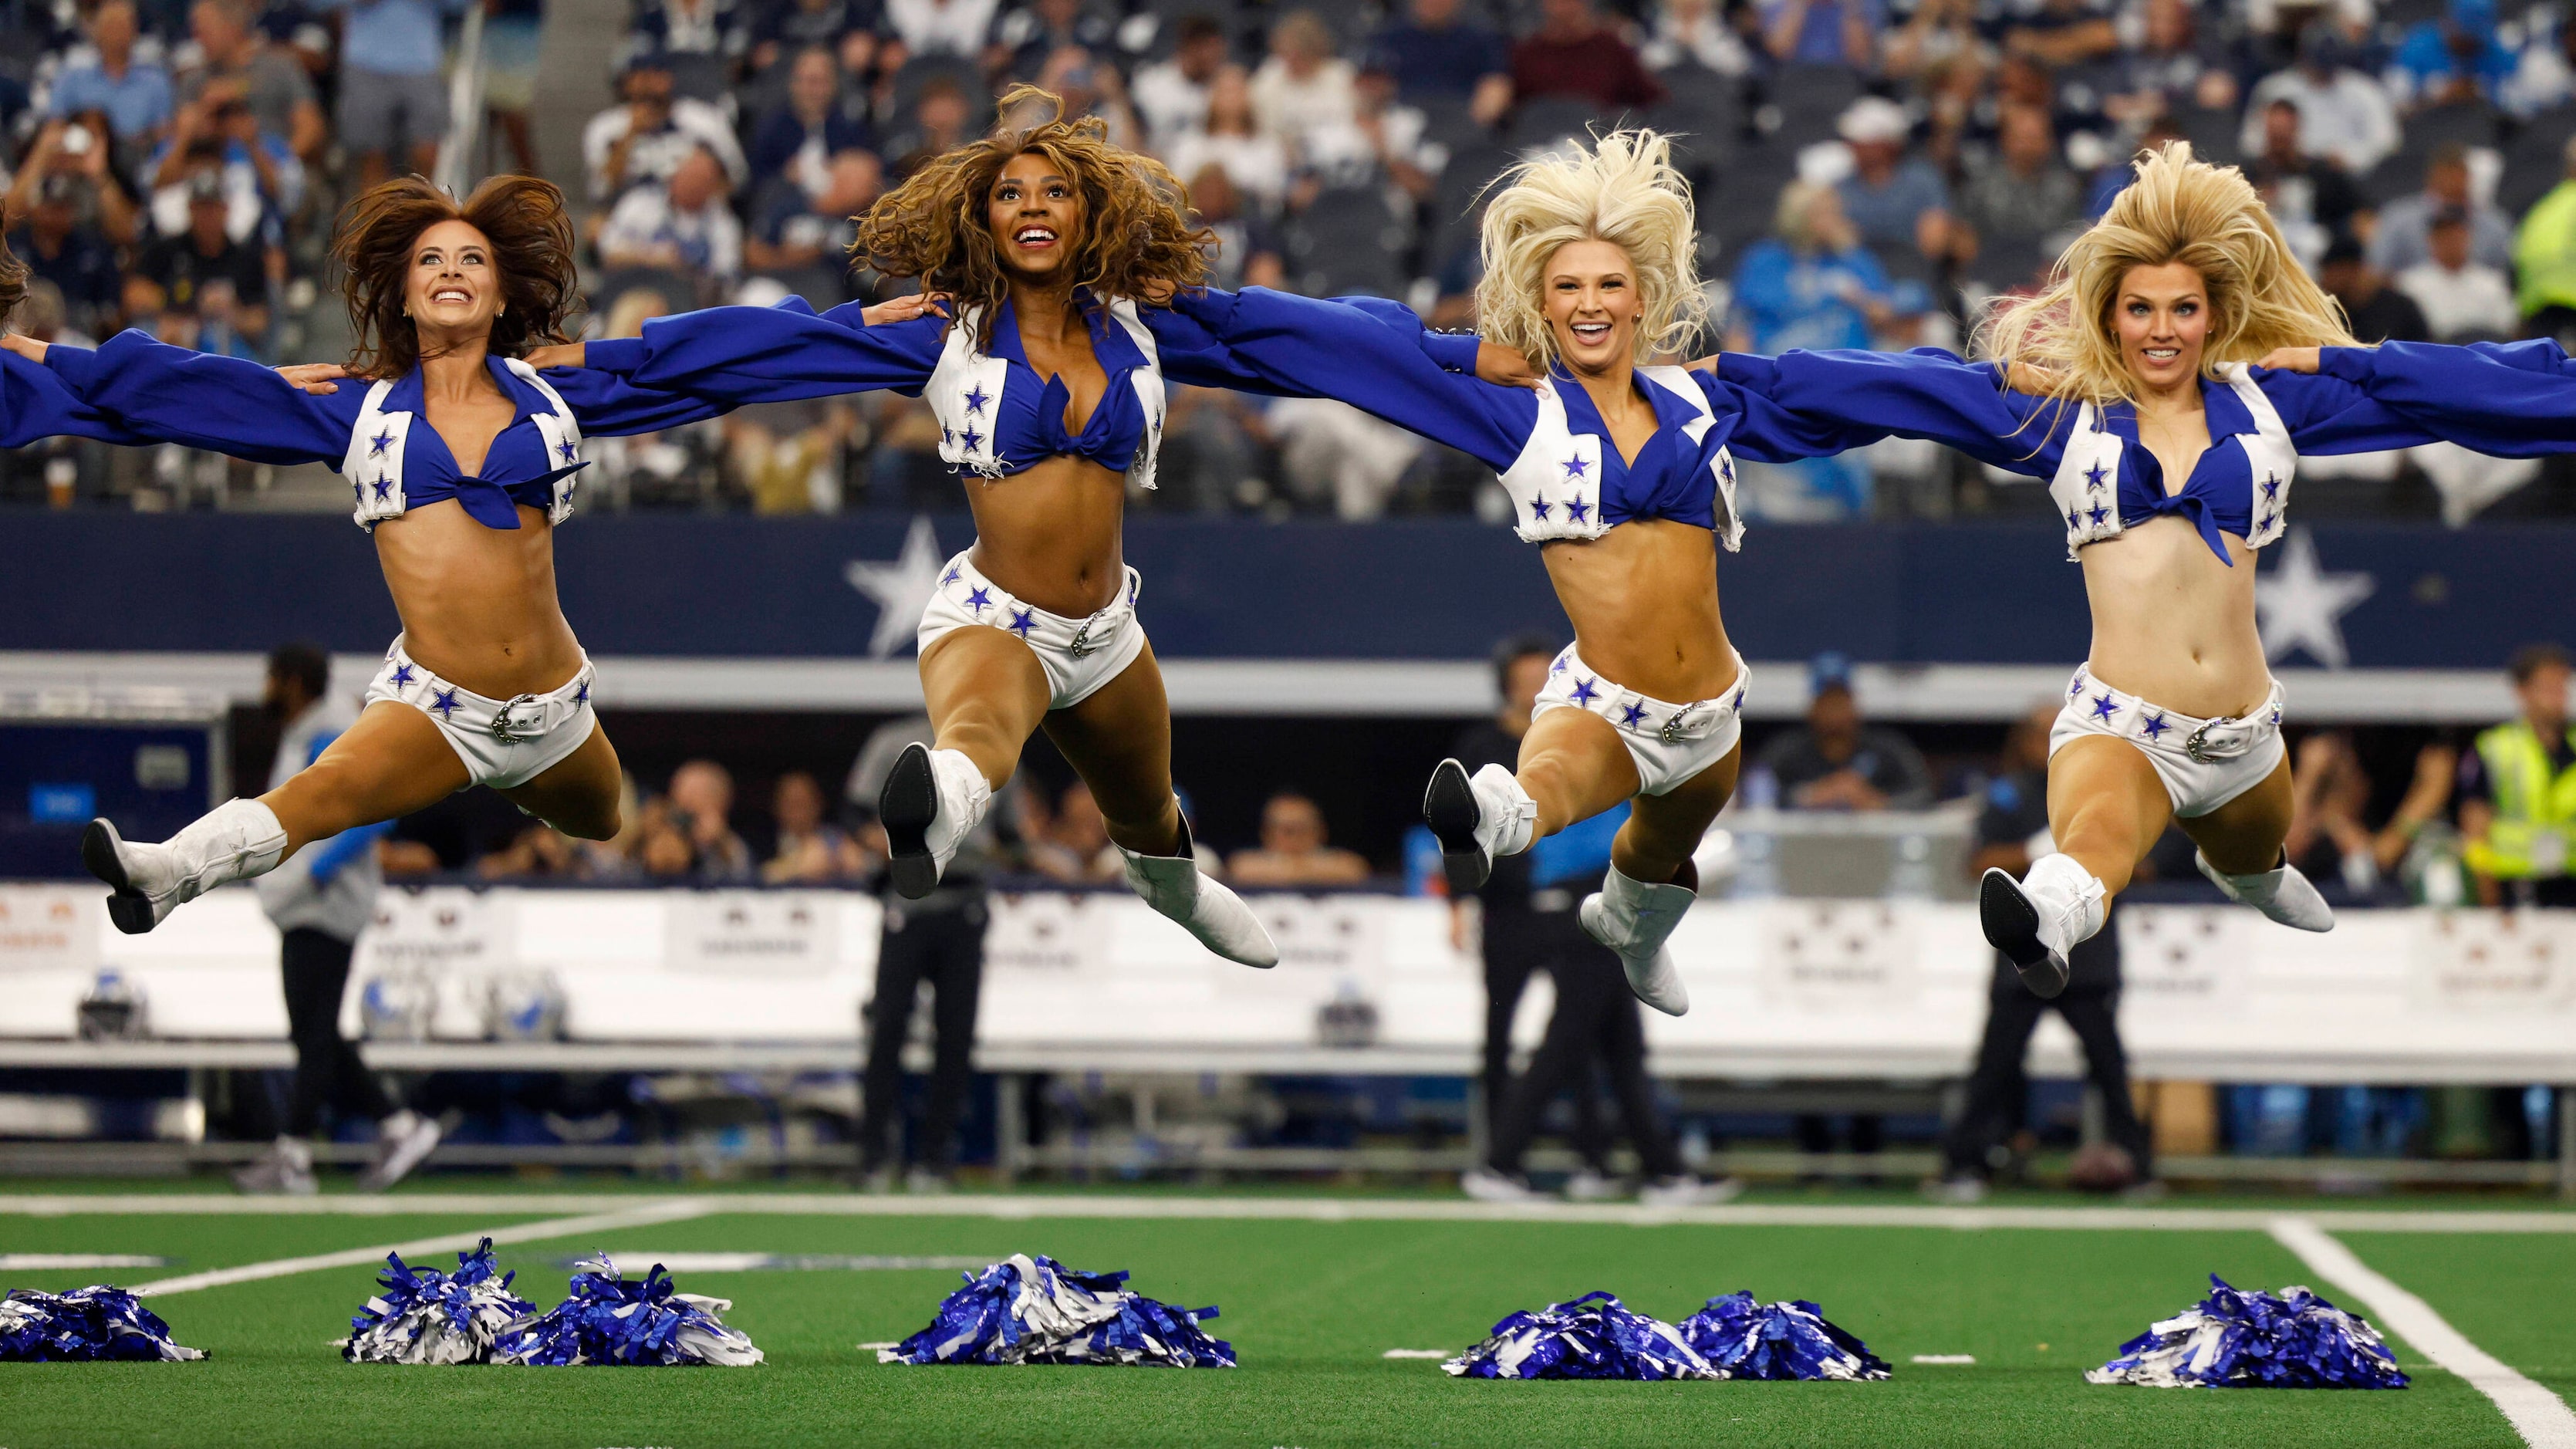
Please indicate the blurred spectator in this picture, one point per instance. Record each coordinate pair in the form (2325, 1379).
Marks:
(1384, 145)
(644, 138)
(2518, 790)
(2544, 75)
(1171, 95)
(1232, 139)
(261, 181)
(1294, 849)
(701, 41)
(1333, 456)
(1439, 58)
(1823, 32)
(941, 27)
(2173, 70)
(810, 848)
(2403, 236)
(2377, 312)
(539, 852)
(2331, 794)
(393, 99)
(74, 254)
(804, 240)
(1695, 33)
(2012, 831)
(941, 119)
(238, 65)
(1089, 87)
(513, 37)
(701, 808)
(2302, 189)
(2544, 257)
(1812, 285)
(202, 288)
(1035, 32)
(840, 28)
(1837, 762)
(2462, 300)
(1076, 847)
(1303, 85)
(2021, 201)
(684, 225)
(2061, 33)
(1247, 250)
(1896, 202)
(1573, 54)
(2343, 114)
(800, 138)
(2453, 60)
(134, 95)
(1939, 36)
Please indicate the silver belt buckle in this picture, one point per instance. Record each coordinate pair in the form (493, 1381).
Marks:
(506, 729)
(1671, 733)
(2198, 745)
(1082, 644)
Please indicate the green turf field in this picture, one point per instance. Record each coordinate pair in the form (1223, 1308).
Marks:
(1311, 1306)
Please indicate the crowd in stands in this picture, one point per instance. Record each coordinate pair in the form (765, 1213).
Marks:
(1869, 173)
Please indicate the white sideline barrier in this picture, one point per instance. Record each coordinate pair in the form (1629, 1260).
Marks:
(1779, 988)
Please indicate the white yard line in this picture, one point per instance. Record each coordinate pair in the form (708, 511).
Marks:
(1020, 1206)
(2539, 1416)
(651, 1214)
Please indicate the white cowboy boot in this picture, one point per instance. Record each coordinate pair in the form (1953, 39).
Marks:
(1634, 919)
(932, 799)
(2281, 893)
(1476, 820)
(2037, 920)
(237, 840)
(1172, 885)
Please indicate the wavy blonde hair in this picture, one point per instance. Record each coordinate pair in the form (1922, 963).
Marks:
(1622, 190)
(2206, 217)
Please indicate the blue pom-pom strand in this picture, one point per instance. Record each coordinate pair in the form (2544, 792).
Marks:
(1744, 1339)
(1036, 1310)
(2238, 1340)
(609, 1320)
(94, 1325)
(424, 1316)
(1594, 1337)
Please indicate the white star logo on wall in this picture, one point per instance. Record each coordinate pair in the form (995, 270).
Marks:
(901, 589)
(2301, 606)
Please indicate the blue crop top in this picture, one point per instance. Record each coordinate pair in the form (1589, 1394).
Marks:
(1555, 456)
(160, 393)
(2508, 399)
(997, 417)
(2100, 479)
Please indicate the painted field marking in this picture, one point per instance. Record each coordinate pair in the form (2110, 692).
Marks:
(1950, 1359)
(1022, 1207)
(2539, 1416)
(668, 1210)
(1417, 1353)
(67, 1262)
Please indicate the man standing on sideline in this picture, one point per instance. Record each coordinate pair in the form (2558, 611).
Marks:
(2518, 790)
(320, 899)
(2012, 831)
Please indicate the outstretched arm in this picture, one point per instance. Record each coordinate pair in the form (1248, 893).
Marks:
(737, 355)
(609, 406)
(152, 392)
(2508, 399)
(1852, 398)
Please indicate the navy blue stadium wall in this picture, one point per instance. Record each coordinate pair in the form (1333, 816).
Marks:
(782, 588)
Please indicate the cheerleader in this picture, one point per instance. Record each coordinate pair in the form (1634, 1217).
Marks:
(460, 460)
(2170, 460)
(1049, 245)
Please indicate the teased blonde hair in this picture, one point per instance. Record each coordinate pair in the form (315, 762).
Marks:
(1622, 190)
(2177, 210)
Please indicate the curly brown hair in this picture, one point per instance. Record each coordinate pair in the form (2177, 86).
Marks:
(13, 281)
(532, 252)
(1138, 240)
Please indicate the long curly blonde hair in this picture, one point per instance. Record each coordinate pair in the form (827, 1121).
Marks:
(1138, 240)
(2206, 217)
(1622, 190)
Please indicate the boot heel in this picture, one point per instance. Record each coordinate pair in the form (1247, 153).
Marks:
(1449, 808)
(906, 807)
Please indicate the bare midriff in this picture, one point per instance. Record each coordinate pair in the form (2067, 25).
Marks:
(2172, 624)
(1643, 600)
(1049, 534)
(478, 604)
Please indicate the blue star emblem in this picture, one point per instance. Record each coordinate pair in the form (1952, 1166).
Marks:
(1632, 715)
(2276, 716)
(1539, 508)
(976, 397)
(1556, 666)
(2270, 518)
(584, 696)
(1576, 467)
(1022, 621)
(1584, 693)
(444, 701)
(945, 435)
(2074, 518)
(2103, 708)
(2075, 688)
(2098, 513)
(979, 600)
(1726, 468)
(2094, 475)
(401, 677)
(384, 489)
(972, 439)
(952, 576)
(569, 451)
(1737, 703)
(380, 442)
(1577, 511)
(2154, 726)
(2271, 485)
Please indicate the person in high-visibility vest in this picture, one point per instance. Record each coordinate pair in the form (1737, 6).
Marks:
(2518, 790)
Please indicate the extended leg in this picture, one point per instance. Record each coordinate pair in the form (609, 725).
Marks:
(2106, 807)
(2240, 852)
(1572, 767)
(578, 794)
(1652, 883)
(986, 692)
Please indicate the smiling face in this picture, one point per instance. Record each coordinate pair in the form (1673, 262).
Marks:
(1035, 215)
(2160, 320)
(453, 287)
(1589, 292)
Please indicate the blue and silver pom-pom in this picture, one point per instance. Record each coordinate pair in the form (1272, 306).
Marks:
(94, 1325)
(1743, 1339)
(1036, 1310)
(2236, 1340)
(1593, 1337)
(609, 1320)
(426, 1316)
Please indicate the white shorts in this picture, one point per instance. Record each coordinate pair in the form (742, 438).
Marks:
(1671, 743)
(1079, 655)
(2204, 762)
(504, 743)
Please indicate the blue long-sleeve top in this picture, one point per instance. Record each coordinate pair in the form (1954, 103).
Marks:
(997, 417)
(159, 393)
(1549, 444)
(2100, 479)
(35, 404)
(2508, 399)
